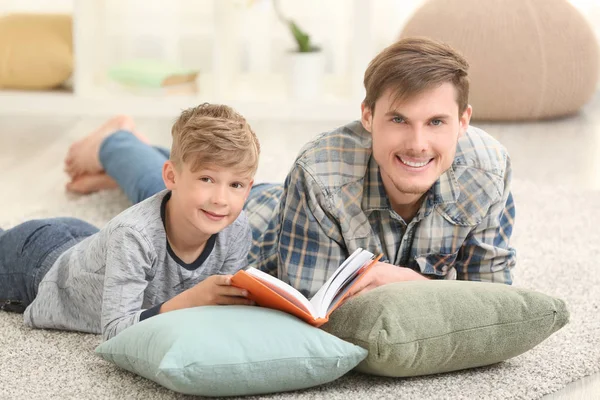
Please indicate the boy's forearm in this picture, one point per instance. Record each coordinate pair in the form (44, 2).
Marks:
(181, 301)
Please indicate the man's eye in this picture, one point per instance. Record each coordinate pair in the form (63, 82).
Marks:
(436, 122)
(397, 120)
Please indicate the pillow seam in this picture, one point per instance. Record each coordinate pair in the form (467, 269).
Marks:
(454, 331)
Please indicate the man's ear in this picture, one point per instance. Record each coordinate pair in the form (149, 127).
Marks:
(465, 119)
(169, 175)
(366, 116)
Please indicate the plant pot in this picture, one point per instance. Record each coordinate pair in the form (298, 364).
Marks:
(305, 77)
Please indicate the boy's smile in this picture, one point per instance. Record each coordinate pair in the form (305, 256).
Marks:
(214, 216)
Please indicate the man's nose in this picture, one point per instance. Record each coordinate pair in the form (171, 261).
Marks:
(417, 140)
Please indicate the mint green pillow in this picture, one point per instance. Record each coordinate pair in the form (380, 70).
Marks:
(428, 327)
(231, 350)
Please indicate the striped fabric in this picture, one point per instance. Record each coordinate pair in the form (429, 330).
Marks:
(333, 201)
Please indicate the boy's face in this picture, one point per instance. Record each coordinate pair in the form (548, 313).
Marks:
(414, 141)
(209, 199)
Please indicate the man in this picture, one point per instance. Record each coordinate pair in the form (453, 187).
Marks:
(410, 180)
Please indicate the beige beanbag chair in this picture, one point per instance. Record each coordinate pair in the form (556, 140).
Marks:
(529, 59)
(36, 51)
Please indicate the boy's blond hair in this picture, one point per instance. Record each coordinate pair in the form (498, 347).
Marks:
(214, 134)
(413, 65)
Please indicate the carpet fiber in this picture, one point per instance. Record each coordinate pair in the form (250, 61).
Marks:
(557, 240)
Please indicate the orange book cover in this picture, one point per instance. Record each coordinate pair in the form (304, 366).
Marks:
(266, 295)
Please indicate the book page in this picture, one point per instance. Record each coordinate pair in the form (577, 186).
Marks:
(345, 273)
(342, 291)
(317, 299)
(283, 289)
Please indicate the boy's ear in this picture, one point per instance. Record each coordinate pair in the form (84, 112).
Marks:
(169, 175)
(248, 189)
(366, 116)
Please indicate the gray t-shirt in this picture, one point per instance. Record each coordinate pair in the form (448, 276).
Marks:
(104, 283)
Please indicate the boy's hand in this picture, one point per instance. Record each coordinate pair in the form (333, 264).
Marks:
(214, 290)
(217, 290)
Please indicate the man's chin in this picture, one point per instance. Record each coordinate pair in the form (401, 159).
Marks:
(412, 189)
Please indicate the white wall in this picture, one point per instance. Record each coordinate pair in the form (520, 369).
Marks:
(250, 36)
(329, 21)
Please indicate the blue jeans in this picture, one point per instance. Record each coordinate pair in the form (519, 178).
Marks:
(134, 165)
(27, 252)
(137, 166)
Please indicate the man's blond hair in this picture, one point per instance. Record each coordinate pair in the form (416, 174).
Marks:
(413, 65)
(214, 134)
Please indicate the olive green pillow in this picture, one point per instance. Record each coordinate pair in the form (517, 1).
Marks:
(428, 327)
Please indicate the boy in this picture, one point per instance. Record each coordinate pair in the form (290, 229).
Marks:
(174, 250)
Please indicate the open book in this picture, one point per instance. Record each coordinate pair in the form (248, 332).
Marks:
(268, 291)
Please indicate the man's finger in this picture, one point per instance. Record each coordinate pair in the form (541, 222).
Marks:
(364, 290)
(360, 285)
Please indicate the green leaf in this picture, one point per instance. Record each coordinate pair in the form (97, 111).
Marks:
(302, 38)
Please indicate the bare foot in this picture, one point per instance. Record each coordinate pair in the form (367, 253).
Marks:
(90, 183)
(82, 157)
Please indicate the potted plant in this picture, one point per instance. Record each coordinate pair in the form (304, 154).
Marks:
(306, 62)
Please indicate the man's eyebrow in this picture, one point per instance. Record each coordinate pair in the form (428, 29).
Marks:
(393, 113)
(440, 116)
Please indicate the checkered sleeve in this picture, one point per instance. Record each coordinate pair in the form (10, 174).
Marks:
(311, 246)
(486, 254)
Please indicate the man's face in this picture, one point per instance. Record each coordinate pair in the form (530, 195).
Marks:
(414, 141)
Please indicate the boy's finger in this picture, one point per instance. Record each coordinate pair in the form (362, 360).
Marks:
(231, 301)
(233, 291)
(223, 280)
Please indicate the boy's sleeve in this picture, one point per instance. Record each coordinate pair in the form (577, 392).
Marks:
(486, 254)
(128, 261)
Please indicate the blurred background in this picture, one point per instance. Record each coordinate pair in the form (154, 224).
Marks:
(152, 57)
(294, 69)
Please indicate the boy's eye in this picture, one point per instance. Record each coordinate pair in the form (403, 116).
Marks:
(237, 185)
(205, 179)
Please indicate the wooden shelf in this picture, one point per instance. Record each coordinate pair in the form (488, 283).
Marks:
(259, 96)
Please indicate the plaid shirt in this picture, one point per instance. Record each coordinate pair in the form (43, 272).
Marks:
(333, 201)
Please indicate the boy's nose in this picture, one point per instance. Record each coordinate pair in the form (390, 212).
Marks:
(219, 196)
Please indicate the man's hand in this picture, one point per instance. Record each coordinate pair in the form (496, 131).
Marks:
(214, 290)
(381, 274)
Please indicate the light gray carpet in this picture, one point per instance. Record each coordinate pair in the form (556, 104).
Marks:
(558, 242)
